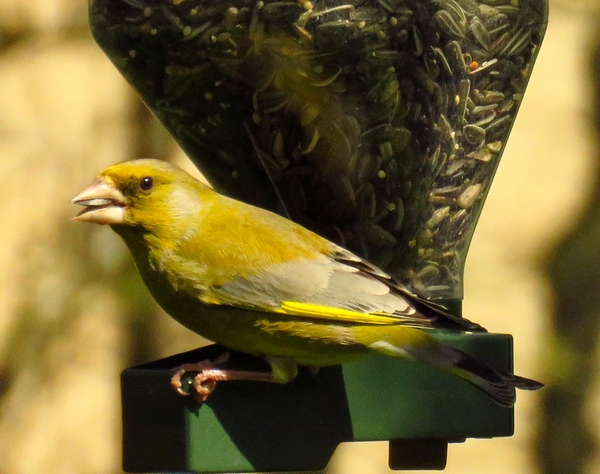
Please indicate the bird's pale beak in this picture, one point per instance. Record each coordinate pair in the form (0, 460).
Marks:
(104, 204)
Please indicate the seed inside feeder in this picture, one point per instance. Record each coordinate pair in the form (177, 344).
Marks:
(367, 116)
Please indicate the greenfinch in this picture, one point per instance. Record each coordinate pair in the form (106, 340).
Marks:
(258, 283)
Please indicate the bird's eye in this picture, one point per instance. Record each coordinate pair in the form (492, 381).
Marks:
(146, 183)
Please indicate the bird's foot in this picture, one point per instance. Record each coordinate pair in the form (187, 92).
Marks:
(205, 381)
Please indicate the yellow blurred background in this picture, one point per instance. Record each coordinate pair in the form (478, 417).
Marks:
(73, 312)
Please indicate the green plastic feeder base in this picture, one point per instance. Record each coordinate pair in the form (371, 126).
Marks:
(264, 427)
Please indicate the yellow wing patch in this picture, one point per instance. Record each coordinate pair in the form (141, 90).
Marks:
(317, 311)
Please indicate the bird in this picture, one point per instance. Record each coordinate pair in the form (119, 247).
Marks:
(258, 283)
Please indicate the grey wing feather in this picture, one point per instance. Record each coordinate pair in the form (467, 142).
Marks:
(439, 316)
(340, 280)
(324, 282)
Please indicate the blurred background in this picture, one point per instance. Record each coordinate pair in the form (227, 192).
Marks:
(73, 312)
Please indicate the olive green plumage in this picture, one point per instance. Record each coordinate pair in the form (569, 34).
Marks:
(258, 283)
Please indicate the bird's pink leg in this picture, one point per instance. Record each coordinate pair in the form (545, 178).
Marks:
(208, 375)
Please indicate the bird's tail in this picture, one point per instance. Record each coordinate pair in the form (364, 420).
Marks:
(402, 341)
(498, 384)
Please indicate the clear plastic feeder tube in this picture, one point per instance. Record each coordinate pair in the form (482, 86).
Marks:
(377, 123)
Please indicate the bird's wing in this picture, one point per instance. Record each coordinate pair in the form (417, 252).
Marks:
(338, 287)
(439, 316)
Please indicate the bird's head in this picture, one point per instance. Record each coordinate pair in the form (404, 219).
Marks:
(144, 194)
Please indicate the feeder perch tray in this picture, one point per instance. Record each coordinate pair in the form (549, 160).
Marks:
(264, 427)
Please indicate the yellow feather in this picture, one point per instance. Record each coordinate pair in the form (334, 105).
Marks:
(317, 311)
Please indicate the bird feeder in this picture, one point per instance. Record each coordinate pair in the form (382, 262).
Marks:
(379, 124)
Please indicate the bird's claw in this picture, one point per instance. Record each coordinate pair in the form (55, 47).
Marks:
(206, 379)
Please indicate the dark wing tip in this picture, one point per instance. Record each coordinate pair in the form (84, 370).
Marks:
(438, 315)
